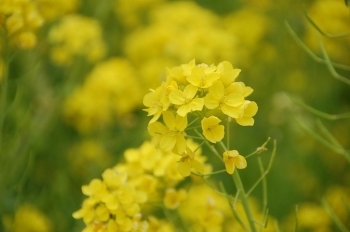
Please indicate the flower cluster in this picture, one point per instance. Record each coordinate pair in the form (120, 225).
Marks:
(69, 43)
(115, 202)
(21, 19)
(198, 92)
(102, 95)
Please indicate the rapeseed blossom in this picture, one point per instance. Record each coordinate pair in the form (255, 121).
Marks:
(69, 43)
(115, 201)
(20, 19)
(102, 95)
(193, 93)
(232, 160)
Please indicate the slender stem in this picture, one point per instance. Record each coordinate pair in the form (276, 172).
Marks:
(243, 196)
(244, 199)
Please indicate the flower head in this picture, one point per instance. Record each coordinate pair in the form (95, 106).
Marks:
(187, 162)
(171, 136)
(186, 100)
(250, 108)
(157, 102)
(212, 130)
(203, 76)
(233, 159)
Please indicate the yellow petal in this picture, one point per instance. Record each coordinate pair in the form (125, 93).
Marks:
(177, 97)
(230, 166)
(169, 120)
(245, 121)
(190, 91)
(251, 109)
(184, 168)
(167, 142)
(240, 162)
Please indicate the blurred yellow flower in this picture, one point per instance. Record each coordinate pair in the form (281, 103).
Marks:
(21, 19)
(187, 162)
(212, 131)
(27, 218)
(69, 43)
(232, 160)
(101, 98)
(173, 198)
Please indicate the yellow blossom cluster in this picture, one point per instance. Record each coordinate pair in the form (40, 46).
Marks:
(198, 92)
(115, 202)
(70, 43)
(20, 18)
(168, 39)
(52, 9)
(111, 89)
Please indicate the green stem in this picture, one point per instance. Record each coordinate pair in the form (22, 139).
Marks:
(243, 195)
(244, 200)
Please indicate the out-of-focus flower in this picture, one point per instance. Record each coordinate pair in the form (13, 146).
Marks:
(173, 198)
(74, 37)
(188, 162)
(233, 160)
(169, 39)
(27, 219)
(21, 20)
(51, 9)
(131, 13)
(103, 96)
(332, 17)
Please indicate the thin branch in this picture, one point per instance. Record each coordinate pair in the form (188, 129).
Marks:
(330, 65)
(329, 145)
(309, 52)
(319, 113)
(266, 171)
(329, 35)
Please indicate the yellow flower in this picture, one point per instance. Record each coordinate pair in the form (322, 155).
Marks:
(212, 130)
(250, 108)
(187, 162)
(172, 136)
(233, 159)
(228, 102)
(26, 219)
(227, 74)
(157, 102)
(203, 76)
(173, 198)
(185, 99)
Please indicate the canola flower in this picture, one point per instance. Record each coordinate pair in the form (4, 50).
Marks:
(21, 19)
(102, 95)
(115, 201)
(69, 43)
(198, 92)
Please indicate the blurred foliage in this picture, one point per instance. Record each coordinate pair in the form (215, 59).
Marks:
(73, 74)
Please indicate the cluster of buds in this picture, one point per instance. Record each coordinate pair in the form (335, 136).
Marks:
(202, 92)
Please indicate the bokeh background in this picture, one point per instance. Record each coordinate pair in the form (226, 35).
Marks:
(74, 72)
